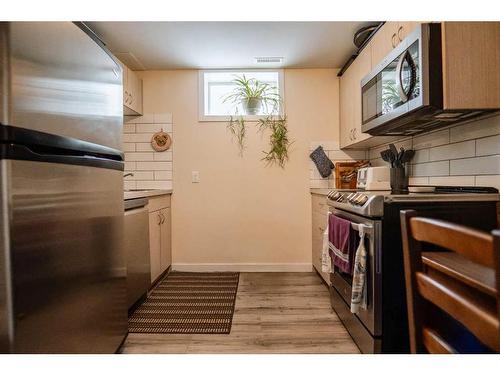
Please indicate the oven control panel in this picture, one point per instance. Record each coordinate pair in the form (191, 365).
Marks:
(362, 203)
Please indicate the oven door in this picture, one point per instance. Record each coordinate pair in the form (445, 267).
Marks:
(371, 316)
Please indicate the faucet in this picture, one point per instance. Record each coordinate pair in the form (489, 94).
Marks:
(128, 174)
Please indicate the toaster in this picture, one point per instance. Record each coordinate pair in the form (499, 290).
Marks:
(373, 178)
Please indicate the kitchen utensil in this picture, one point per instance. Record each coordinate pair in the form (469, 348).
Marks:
(394, 150)
(407, 156)
(386, 155)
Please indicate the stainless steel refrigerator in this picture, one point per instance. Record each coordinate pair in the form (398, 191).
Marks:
(62, 264)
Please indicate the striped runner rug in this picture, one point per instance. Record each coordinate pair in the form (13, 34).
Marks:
(188, 302)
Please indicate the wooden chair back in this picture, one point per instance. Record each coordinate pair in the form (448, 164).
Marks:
(463, 283)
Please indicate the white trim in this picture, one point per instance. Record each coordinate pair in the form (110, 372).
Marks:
(243, 267)
(201, 94)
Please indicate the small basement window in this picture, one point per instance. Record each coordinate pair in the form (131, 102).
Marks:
(216, 85)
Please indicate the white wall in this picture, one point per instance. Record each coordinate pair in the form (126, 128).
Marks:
(242, 215)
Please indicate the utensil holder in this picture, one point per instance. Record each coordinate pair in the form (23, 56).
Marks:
(399, 180)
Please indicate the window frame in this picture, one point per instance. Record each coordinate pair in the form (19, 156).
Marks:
(202, 117)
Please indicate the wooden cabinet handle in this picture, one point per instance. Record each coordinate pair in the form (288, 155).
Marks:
(400, 31)
(159, 219)
(393, 40)
(162, 218)
(131, 98)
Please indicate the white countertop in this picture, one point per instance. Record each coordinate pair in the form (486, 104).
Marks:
(132, 194)
(319, 191)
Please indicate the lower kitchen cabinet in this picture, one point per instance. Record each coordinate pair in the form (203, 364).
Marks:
(319, 217)
(160, 236)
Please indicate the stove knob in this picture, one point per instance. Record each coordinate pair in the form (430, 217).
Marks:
(362, 199)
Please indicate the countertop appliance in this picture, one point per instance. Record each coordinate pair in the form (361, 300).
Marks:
(383, 326)
(137, 250)
(373, 178)
(403, 94)
(62, 263)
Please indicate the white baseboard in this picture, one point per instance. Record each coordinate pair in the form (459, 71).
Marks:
(243, 267)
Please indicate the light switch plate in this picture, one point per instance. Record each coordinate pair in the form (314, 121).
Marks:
(195, 177)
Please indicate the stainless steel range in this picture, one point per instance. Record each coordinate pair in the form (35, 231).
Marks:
(382, 326)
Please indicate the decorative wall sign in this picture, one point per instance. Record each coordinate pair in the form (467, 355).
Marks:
(161, 141)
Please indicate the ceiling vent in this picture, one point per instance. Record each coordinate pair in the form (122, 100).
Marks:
(268, 60)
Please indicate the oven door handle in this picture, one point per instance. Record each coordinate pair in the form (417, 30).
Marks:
(368, 229)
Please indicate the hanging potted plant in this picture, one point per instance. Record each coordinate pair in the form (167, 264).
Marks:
(254, 96)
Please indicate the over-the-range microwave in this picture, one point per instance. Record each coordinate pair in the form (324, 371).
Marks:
(403, 95)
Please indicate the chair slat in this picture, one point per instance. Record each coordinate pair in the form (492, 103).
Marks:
(472, 244)
(479, 317)
(435, 344)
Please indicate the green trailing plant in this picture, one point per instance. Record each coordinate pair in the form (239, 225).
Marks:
(246, 91)
(279, 142)
(237, 127)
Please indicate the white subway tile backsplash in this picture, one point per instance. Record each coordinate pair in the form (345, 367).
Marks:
(476, 129)
(154, 166)
(154, 184)
(453, 151)
(492, 180)
(476, 166)
(143, 147)
(153, 128)
(129, 165)
(421, 156)
(163, 175)
(452, 180)
(137, 137)
(139, 156)
(437, 168)
(141, 176)
(128, 147)
(466, 154)
(163, 156)
(129, 128)
(418, 181)
(434, 139)
(346, 155)
(128, 185)
(152, 170)
(488, 146)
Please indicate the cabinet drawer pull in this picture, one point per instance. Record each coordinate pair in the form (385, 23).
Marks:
(393, 40)
(400, 32)
(159, 220)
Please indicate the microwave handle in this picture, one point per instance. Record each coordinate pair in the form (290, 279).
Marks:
(399, 80)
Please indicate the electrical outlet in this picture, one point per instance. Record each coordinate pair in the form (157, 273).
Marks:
(195, 177)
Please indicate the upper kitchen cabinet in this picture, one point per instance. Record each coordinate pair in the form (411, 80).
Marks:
(350, 99)
(471, 60)
(132, 92)
(388, 37)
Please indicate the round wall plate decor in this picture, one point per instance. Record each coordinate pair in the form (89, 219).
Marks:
(161, 141)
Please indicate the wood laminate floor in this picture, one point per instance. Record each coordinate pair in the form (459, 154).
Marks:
(275, 313)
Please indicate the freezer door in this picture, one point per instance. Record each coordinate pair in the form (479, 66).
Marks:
(62, 82)
(68, 269)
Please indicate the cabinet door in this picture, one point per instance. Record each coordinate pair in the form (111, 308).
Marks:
(155, 244)
(346, 108)
(405, 28)
(166, 240)
(361, 67)
(384, 40)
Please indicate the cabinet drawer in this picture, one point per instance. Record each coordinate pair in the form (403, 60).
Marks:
(157, 203)
(319, 204)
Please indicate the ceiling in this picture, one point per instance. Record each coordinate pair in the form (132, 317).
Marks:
(187, 45)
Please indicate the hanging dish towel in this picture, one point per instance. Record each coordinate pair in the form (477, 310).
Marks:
(342, 243)
(326, 260)
(358, 297)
